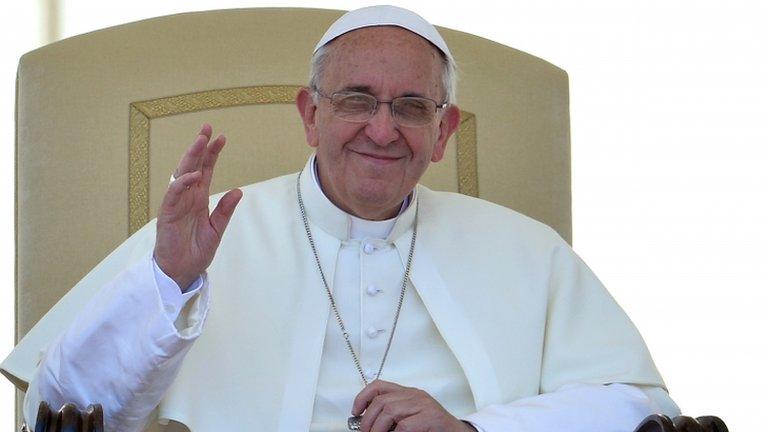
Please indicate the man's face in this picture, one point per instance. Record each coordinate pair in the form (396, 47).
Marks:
(367, 169)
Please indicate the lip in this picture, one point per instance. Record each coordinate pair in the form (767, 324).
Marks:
(377, 158)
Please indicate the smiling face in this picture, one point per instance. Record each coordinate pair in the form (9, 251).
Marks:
(367, 169)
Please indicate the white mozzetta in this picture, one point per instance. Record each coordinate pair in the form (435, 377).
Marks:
(516, 308)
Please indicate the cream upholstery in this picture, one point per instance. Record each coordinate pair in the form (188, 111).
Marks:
(103, 117)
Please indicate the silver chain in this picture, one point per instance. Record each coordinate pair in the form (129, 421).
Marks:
(344, 331)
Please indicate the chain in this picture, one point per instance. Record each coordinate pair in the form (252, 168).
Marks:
(332, 301)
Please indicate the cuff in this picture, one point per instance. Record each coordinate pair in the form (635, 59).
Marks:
(573, 407)
(476, 426)
(171, 294)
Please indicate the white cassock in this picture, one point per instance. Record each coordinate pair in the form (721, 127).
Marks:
(502, 324)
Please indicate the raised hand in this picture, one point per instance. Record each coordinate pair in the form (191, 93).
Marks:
(187, 235)
(386, 406)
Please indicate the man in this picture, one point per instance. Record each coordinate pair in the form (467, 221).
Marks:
(349, 290)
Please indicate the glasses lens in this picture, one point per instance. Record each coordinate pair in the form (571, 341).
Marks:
(353, 106)
(413, 111)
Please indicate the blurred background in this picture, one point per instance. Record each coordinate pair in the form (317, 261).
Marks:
(669, 138)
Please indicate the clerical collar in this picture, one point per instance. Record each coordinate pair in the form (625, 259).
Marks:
(322, 212)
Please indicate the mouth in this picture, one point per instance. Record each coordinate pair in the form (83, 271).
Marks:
(377, 158)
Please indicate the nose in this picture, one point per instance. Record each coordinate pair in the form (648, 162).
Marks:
(382, 128)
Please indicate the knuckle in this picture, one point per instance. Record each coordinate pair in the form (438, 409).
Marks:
(390, 410)
(406, 425)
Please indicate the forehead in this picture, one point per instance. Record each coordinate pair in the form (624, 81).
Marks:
(385, 59)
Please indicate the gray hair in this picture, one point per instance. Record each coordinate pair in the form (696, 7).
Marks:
(320, 61)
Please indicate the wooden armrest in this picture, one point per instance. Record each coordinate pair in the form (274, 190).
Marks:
(662, 423)
(69, 419)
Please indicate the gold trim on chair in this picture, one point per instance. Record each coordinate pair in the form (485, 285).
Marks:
(138, 170)
(466, 155)
(142, 113)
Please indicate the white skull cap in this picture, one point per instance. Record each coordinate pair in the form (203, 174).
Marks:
(384, 15)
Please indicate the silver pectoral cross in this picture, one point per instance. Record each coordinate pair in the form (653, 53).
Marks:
(353, 423)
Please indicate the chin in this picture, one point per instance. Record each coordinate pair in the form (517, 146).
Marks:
(377, 195)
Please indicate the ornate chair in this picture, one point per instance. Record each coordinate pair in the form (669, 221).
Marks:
(103, 117)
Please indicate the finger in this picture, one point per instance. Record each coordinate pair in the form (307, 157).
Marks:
(210, 156)
(412, 423)
(206, 129)
(375, 388)
(390, 413)
(192, 158)
(384, 423)
(373, 411)
(224, 209)
(180, 186)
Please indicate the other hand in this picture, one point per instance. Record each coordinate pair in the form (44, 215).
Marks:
(388, 406)
(187, 235)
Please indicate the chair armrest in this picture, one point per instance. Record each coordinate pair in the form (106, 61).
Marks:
(68, 419)
(662, 423)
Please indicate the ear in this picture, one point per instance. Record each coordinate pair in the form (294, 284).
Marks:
(449, 122)
(305, 103)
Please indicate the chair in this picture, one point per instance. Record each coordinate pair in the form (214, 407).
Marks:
(103, 117)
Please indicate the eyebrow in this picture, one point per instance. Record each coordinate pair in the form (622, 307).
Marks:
(361, 89)
(367, 89)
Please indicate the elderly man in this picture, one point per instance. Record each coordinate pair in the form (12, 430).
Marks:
(347, 295)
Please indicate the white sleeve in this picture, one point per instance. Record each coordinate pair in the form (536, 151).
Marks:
(123, 350)
(577, 408)
(171, 295)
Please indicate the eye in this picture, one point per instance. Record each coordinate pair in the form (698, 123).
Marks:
(413, 108)
(353, 103)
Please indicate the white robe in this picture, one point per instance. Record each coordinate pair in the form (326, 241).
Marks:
(520, 312)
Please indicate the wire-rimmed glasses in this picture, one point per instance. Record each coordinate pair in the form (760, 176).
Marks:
(358, 107)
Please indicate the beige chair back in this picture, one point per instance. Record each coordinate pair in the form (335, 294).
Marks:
(103, 117)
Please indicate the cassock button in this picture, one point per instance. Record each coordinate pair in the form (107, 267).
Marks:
(372, 332)
(372, 290)
(368, 248)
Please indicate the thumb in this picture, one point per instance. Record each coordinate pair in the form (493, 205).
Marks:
(224, 209)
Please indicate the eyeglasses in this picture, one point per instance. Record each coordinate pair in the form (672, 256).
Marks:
(408, 111)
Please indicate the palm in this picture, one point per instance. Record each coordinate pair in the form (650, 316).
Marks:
(187, 235)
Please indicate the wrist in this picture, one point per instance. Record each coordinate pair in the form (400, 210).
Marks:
(182, 281)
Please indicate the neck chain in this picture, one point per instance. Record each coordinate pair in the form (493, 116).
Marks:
(332, 301)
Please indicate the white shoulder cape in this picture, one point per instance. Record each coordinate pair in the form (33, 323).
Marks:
(520, 311)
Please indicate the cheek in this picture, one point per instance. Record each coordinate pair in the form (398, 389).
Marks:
(334, 134)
